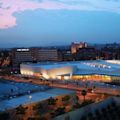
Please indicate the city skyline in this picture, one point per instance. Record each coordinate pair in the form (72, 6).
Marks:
(58, 22)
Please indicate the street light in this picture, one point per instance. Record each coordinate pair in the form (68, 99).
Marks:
(30, 98)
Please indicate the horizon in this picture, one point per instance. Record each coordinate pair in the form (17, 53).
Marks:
(63, 45)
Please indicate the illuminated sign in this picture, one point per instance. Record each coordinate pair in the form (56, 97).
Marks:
(20, 50)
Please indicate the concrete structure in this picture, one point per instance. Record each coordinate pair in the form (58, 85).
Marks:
(86, 111)
(47, 55)
(97, 70)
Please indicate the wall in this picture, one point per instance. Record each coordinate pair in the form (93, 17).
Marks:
(53, 73)
(77, 114)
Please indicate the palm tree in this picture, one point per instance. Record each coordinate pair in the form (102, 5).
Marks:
(84, 93)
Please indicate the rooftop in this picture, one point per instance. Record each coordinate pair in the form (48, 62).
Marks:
(102, 67)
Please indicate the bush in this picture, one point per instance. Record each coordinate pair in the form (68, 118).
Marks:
(66, 98)
(20, 110)
(52, 101)
(77, 105)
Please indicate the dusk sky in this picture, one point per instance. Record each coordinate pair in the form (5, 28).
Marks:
(58, 22)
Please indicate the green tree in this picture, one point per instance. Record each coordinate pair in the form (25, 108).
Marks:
(66, 98)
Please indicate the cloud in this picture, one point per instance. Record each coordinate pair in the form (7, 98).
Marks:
(9, 7)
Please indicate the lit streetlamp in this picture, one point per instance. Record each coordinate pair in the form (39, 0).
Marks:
(30, 98)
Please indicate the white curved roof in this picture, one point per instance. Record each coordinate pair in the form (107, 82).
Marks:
(101, 67)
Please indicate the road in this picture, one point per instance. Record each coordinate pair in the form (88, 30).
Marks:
(96, 87)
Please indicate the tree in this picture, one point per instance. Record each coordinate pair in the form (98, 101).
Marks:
(76, 99)
(52, 101)
(20, 110)
(84, 93)
(66, 98)
(38, 108)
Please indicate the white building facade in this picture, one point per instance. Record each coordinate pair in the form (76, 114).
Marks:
(81, 70)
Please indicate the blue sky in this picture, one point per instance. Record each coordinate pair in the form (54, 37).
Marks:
(58, 22)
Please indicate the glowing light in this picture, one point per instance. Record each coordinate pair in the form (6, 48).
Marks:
(19, 50)
(113, 61)
(30, 97)
(58, 77)
(66, 77)
(45, 75)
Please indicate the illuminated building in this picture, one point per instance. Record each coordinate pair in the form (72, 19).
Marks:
(81, 70)
(77, 46)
